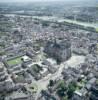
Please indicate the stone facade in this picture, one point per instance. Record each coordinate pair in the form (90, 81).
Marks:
(59, 49)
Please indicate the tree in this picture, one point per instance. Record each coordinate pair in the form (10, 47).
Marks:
(71, 89)
(61, 84)
(61, 89)
(61, 92)
(51, 83)
(65, 98)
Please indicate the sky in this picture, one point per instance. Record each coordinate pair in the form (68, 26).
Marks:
(23, 0)
(33, 0)
(42, 0)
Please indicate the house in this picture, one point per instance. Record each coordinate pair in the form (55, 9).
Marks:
(94, 91)
(44, 72)
(45, 95)
(19, 96)
(49, 62)
(80, 94)
(6, 86)
(52, 65)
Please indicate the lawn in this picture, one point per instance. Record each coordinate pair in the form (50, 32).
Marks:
(2, 33)
(14, 61)
(33, 87)
(97, 29)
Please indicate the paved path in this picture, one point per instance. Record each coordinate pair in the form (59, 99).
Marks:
(42, 84)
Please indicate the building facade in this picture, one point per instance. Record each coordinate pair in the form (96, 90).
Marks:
(59, 49)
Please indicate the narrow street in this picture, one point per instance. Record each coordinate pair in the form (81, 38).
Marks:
(42, 84)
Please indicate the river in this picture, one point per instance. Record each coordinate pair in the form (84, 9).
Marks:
(57, 19)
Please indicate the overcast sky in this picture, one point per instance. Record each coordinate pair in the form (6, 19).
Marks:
(43, 0)
(33, 0)
(23, 0)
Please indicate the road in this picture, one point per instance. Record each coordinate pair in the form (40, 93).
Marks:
(42, 84)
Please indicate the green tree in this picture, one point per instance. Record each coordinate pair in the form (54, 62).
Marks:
(71, 89)
(61, 89)
(65, 98)
(51, 83)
